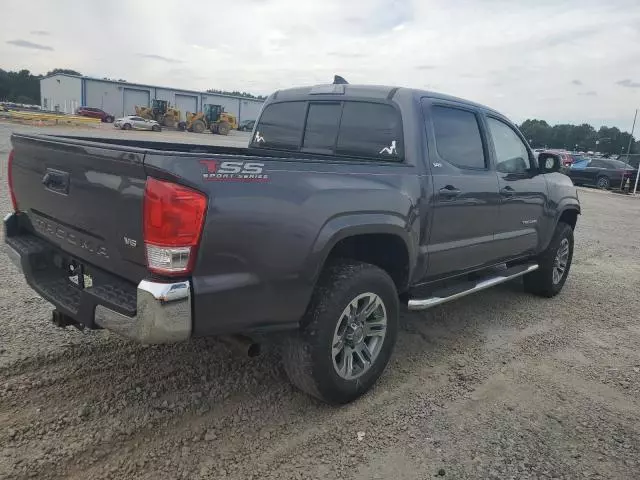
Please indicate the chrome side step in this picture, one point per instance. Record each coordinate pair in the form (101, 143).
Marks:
(443, 296)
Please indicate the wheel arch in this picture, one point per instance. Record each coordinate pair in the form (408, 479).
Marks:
(569, 216)
(379, 239)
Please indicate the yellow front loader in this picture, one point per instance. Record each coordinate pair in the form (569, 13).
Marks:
(160, 111)
(213, 118)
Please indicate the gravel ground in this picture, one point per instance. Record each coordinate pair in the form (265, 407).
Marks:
(497, 385)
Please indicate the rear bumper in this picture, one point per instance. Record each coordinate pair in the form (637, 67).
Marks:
(163, 314)
(151, 312)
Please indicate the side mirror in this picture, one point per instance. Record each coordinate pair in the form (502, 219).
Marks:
(549, 163)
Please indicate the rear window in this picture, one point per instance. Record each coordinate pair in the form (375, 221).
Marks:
(321, 130)
(350, 129)
(617, 164)
(281, 126)
(370, 130)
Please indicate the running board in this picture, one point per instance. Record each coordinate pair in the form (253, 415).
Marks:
(448, 294)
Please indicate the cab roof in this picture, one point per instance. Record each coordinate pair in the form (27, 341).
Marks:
(381, 92)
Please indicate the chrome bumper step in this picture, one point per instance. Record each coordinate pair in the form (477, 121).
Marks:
(444, 295)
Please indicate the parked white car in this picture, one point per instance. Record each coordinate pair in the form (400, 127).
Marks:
(136, 123)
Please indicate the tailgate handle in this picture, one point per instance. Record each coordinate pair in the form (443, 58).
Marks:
(56, 180)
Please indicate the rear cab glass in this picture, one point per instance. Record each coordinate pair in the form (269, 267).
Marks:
(350, 128)
(281, 126)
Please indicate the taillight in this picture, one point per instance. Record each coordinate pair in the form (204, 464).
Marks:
(14, 202)
(173, 216)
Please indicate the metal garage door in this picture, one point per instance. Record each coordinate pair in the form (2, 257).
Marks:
(186, 103)
(134, 97)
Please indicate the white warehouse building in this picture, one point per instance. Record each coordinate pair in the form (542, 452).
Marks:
(65, 93)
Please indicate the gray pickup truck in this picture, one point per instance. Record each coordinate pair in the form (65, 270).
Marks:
(348, 202)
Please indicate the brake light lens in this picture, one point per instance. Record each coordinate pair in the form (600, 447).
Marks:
(173, 217)
(14, 202)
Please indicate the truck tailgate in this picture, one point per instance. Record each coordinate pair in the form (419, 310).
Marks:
(84, 197)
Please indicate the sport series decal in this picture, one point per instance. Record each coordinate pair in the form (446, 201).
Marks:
(220, 171)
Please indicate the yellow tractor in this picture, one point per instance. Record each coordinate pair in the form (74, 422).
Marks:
(213, 118)
(160, 111)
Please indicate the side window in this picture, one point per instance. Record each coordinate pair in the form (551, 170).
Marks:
(599, 164)
(580, 165)
(512, 156)
(322, 127)
(280, 126)
(458, 139)
(371, 130)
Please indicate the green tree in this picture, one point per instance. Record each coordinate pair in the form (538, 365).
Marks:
(23, 86)
(67, 71)
(537, 132)
(610, 140)
(20, 87)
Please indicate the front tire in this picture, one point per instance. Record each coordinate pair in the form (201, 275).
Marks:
(554, 264)
(224, 128)
(348, 334)
(109, 119)
(198, 126)
(603, 183)
(126, 126)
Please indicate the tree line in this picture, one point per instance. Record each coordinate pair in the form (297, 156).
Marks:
(608, 140)
(23, 86)
(236, 93)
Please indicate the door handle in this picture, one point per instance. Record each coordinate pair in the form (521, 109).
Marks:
(507, 192)
(449, 191)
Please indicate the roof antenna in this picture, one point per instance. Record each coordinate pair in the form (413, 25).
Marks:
(338, 80)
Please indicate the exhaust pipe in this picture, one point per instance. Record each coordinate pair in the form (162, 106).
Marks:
(241, 345)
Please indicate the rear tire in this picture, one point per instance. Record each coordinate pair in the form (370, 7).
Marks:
(309, 355)
(603, 183)
(198, 126)
(554, 264)
(156, 128)
(126, 126)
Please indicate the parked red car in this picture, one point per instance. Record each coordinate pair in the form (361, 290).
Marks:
(567, 158)
(95, 113)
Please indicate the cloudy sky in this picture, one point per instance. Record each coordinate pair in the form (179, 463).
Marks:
(560, 60)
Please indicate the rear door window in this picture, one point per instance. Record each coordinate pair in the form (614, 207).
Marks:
(321, 129)
(372, 130)
(458, 139)
(281, 126)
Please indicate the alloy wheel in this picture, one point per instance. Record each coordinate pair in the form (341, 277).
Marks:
(560, 262)
(359, 336)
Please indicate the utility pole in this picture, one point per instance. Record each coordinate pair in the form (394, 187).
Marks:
(635, 187)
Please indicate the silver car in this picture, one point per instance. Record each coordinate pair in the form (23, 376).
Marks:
(136, 123)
